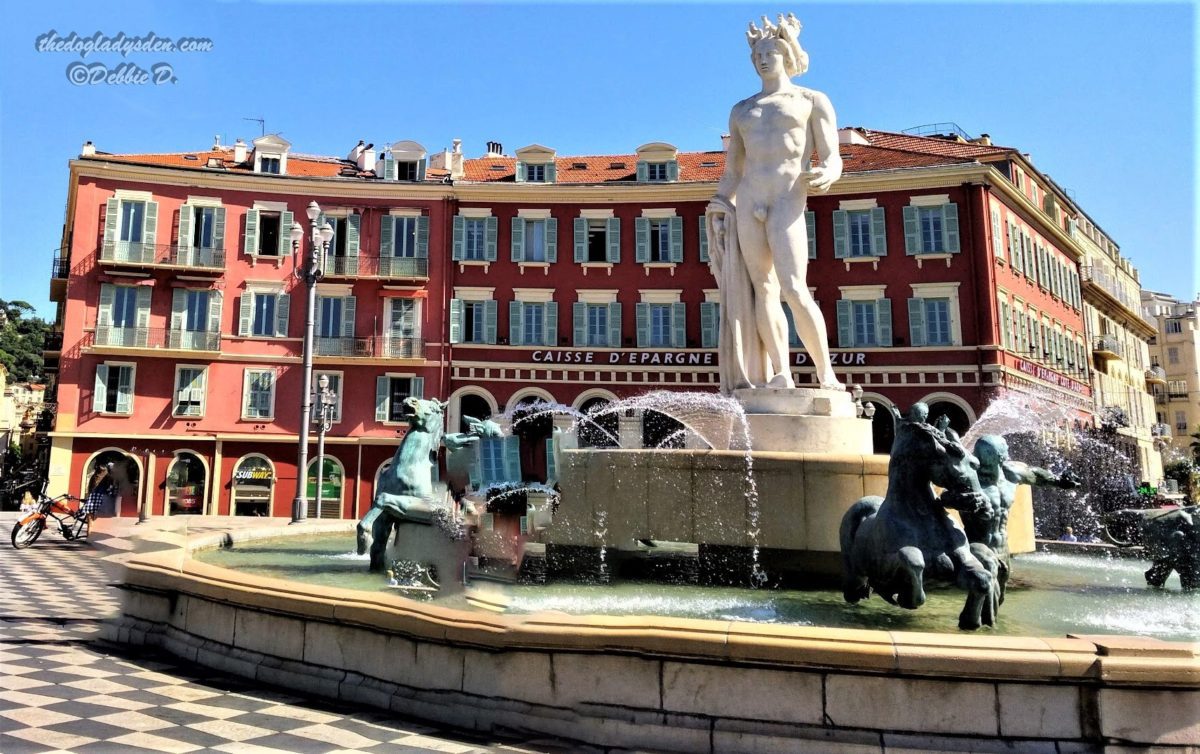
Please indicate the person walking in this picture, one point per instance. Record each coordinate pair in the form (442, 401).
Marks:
(100, 492)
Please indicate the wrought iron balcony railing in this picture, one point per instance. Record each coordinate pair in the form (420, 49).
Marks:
(59, 268)
(167, 255)
(370, 347)
(1108, 346)
(400, 268)
(154, 337)
(1156, 374)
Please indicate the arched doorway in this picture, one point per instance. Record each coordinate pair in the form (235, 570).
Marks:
(252, 486)
(601, 429)
(661, 431)
(474, 406)
(959, 421)
(533, 423)
(883, 427)
(125, 475)
(187, 478)
(333, 480)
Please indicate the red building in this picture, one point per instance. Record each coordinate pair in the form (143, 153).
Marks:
(944, 267)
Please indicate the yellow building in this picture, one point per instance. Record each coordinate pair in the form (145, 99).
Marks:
(1174, 352)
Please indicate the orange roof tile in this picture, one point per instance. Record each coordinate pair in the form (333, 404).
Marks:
(930, 144)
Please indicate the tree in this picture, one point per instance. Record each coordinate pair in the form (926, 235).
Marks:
(22, 339)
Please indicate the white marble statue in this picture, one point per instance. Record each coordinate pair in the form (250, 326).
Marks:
(757, 237)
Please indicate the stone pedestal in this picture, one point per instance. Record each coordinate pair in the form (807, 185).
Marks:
(804, 420)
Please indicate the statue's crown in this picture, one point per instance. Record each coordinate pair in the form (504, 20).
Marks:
(786, 29)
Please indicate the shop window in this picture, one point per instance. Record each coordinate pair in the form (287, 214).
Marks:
(186, 486)
(253, 480)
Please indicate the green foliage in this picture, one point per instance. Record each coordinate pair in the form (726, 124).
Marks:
(1187, 474)
(22, 338)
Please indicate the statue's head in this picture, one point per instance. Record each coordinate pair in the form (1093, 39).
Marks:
(782, 40)
(919, 412)
(424, 415)
(991, 450)
(947, 463)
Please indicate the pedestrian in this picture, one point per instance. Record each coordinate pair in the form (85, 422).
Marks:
(1068, 535)
(100, 491)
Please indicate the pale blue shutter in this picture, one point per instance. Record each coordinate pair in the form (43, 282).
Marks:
(672, 171)
(614, 240)
(353, 242)
(104, 310)
(709, 319)
(517, 245)
(421, 163)
(1005, 327)
(125, 390)
(381, 398)
(143, 316)
(883, 322)
(285, 233)
(845, 321)
(810, 231)
(186, 213)
(641, 231)
(348, 307)
(489, 239)
(642, 319)
(512, 459)
(679, 325)
(841, 234)
(677, 239)
(416, 387)
(580, 238)
(246, 314)
(389, 168)
(997, 235)
(551, 465)
(387, 236)
(614, 325)
(579, 317)
(878, 233)
(551, 172)
(551, 240)
(916, 321)
(704, 239)
(519, 177)
(950, 227)
(489, 322)
(516, 324)
(458, 246)
(283, 305)
(456, 320)
(423, 237)
(643, 172)
(100, 389)
(550, 324)
(150, 231)
(1014, 246)
(219, 228)
(215, 299)
(912, 231)
(112, 220)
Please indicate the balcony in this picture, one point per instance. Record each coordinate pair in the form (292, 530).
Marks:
(154, 337)
(1160, 430)
(1101, 280)
(1108, 347)
(385, 347)
(1156, 375)
(59, 269)
(403, 348)
(403, 268)
(395, 268)
(130, 254)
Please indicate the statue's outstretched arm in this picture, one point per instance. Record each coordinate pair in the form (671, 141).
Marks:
(1022, 473)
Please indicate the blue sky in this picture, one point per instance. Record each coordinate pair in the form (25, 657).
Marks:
(1101, 95)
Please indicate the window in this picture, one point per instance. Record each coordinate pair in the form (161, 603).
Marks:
(657, 171)
(130, 226)
(124, 306)
(390, 394)
(1174, 326)
(268, 233)
(857, 233)
(205, 226)
(405, 235)
(189, 391)
(133, 219)
(258, 394)
(533, 323)
(403, 335)
(661, 325)
(1181, 421)
(710, 323)
(474, 230)
(122, 315)
(534, 240)
(472, 321)
(937, 322)
(1177, 388)
(1172, 355)
(268, 165)
(335, 323)
(860, 233)
(195, 317)
(114, 389)
(535, 173)
(264, 314)
(597, 240)
(864, 322)
(597, 325)
(659, 240)
(335, 387)
(931, 230)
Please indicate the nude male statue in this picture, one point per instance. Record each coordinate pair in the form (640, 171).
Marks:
(757, 235)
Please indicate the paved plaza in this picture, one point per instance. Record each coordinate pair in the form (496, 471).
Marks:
(63, 689)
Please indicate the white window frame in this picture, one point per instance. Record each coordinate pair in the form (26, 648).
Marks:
(392, 376)
(132, 386)
(203, 391)
(246, 393)
(948, 291)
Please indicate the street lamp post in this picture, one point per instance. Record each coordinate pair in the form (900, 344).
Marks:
(311, 271)
(325, 400)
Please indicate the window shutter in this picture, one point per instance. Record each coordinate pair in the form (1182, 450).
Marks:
(673, 170)
(810, 231)
(916, 321)
(381, 398)
(1005, 332)
(551, 466)
(423, 237)
(679, 324)
(643, 173)
(112, 218)
(489, 238)
(709, 317)
(912, 231)
(516, 324)
(512, 459)
(124, 390)
(186, 213)
(349, 304)
(642, 317)
(1014, 246)
(416, 387)
(677, 239)
(704, 239)
(100, 390)
(950, 227)
(551, 172)
(421, 163)
(520, 173)
(456, 320)
(150, 230)
(883, 322)
(143, 315)
(214, 315)
(285, 233)
(845, 319)
(580, 238)
(489, 322)
(389, 168)
(104, 310)
(841, 234)
(614, 240)
(997, 235)
(250, 245)
(579, 320)
(614, 325)
(219, 228)
(458, 246)
(641, 229)
(387, 236)
(550, 324)
(551, 240)
(353, 236)
(283, 305)
(878, 233)
(517, 240)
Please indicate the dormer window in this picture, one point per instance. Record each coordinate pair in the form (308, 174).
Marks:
(403, 161)
(535, 173)
(657, 163)
(269, 164)
(535, 164)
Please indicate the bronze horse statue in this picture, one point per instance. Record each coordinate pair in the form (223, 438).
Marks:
(891, 545)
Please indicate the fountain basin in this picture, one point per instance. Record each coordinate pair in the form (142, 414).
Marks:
(667, 683)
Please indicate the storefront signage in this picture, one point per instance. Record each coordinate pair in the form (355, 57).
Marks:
(670, 358)
(1049, 375)
(253, 474)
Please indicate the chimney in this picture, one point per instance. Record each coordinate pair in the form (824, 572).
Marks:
(456, 160)
(984, 140)
(494, 149)
(379, 165)
(89, 149)
(358, 148)
(366, 158)
(724, 142)
(239, 152)
(216, 147)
